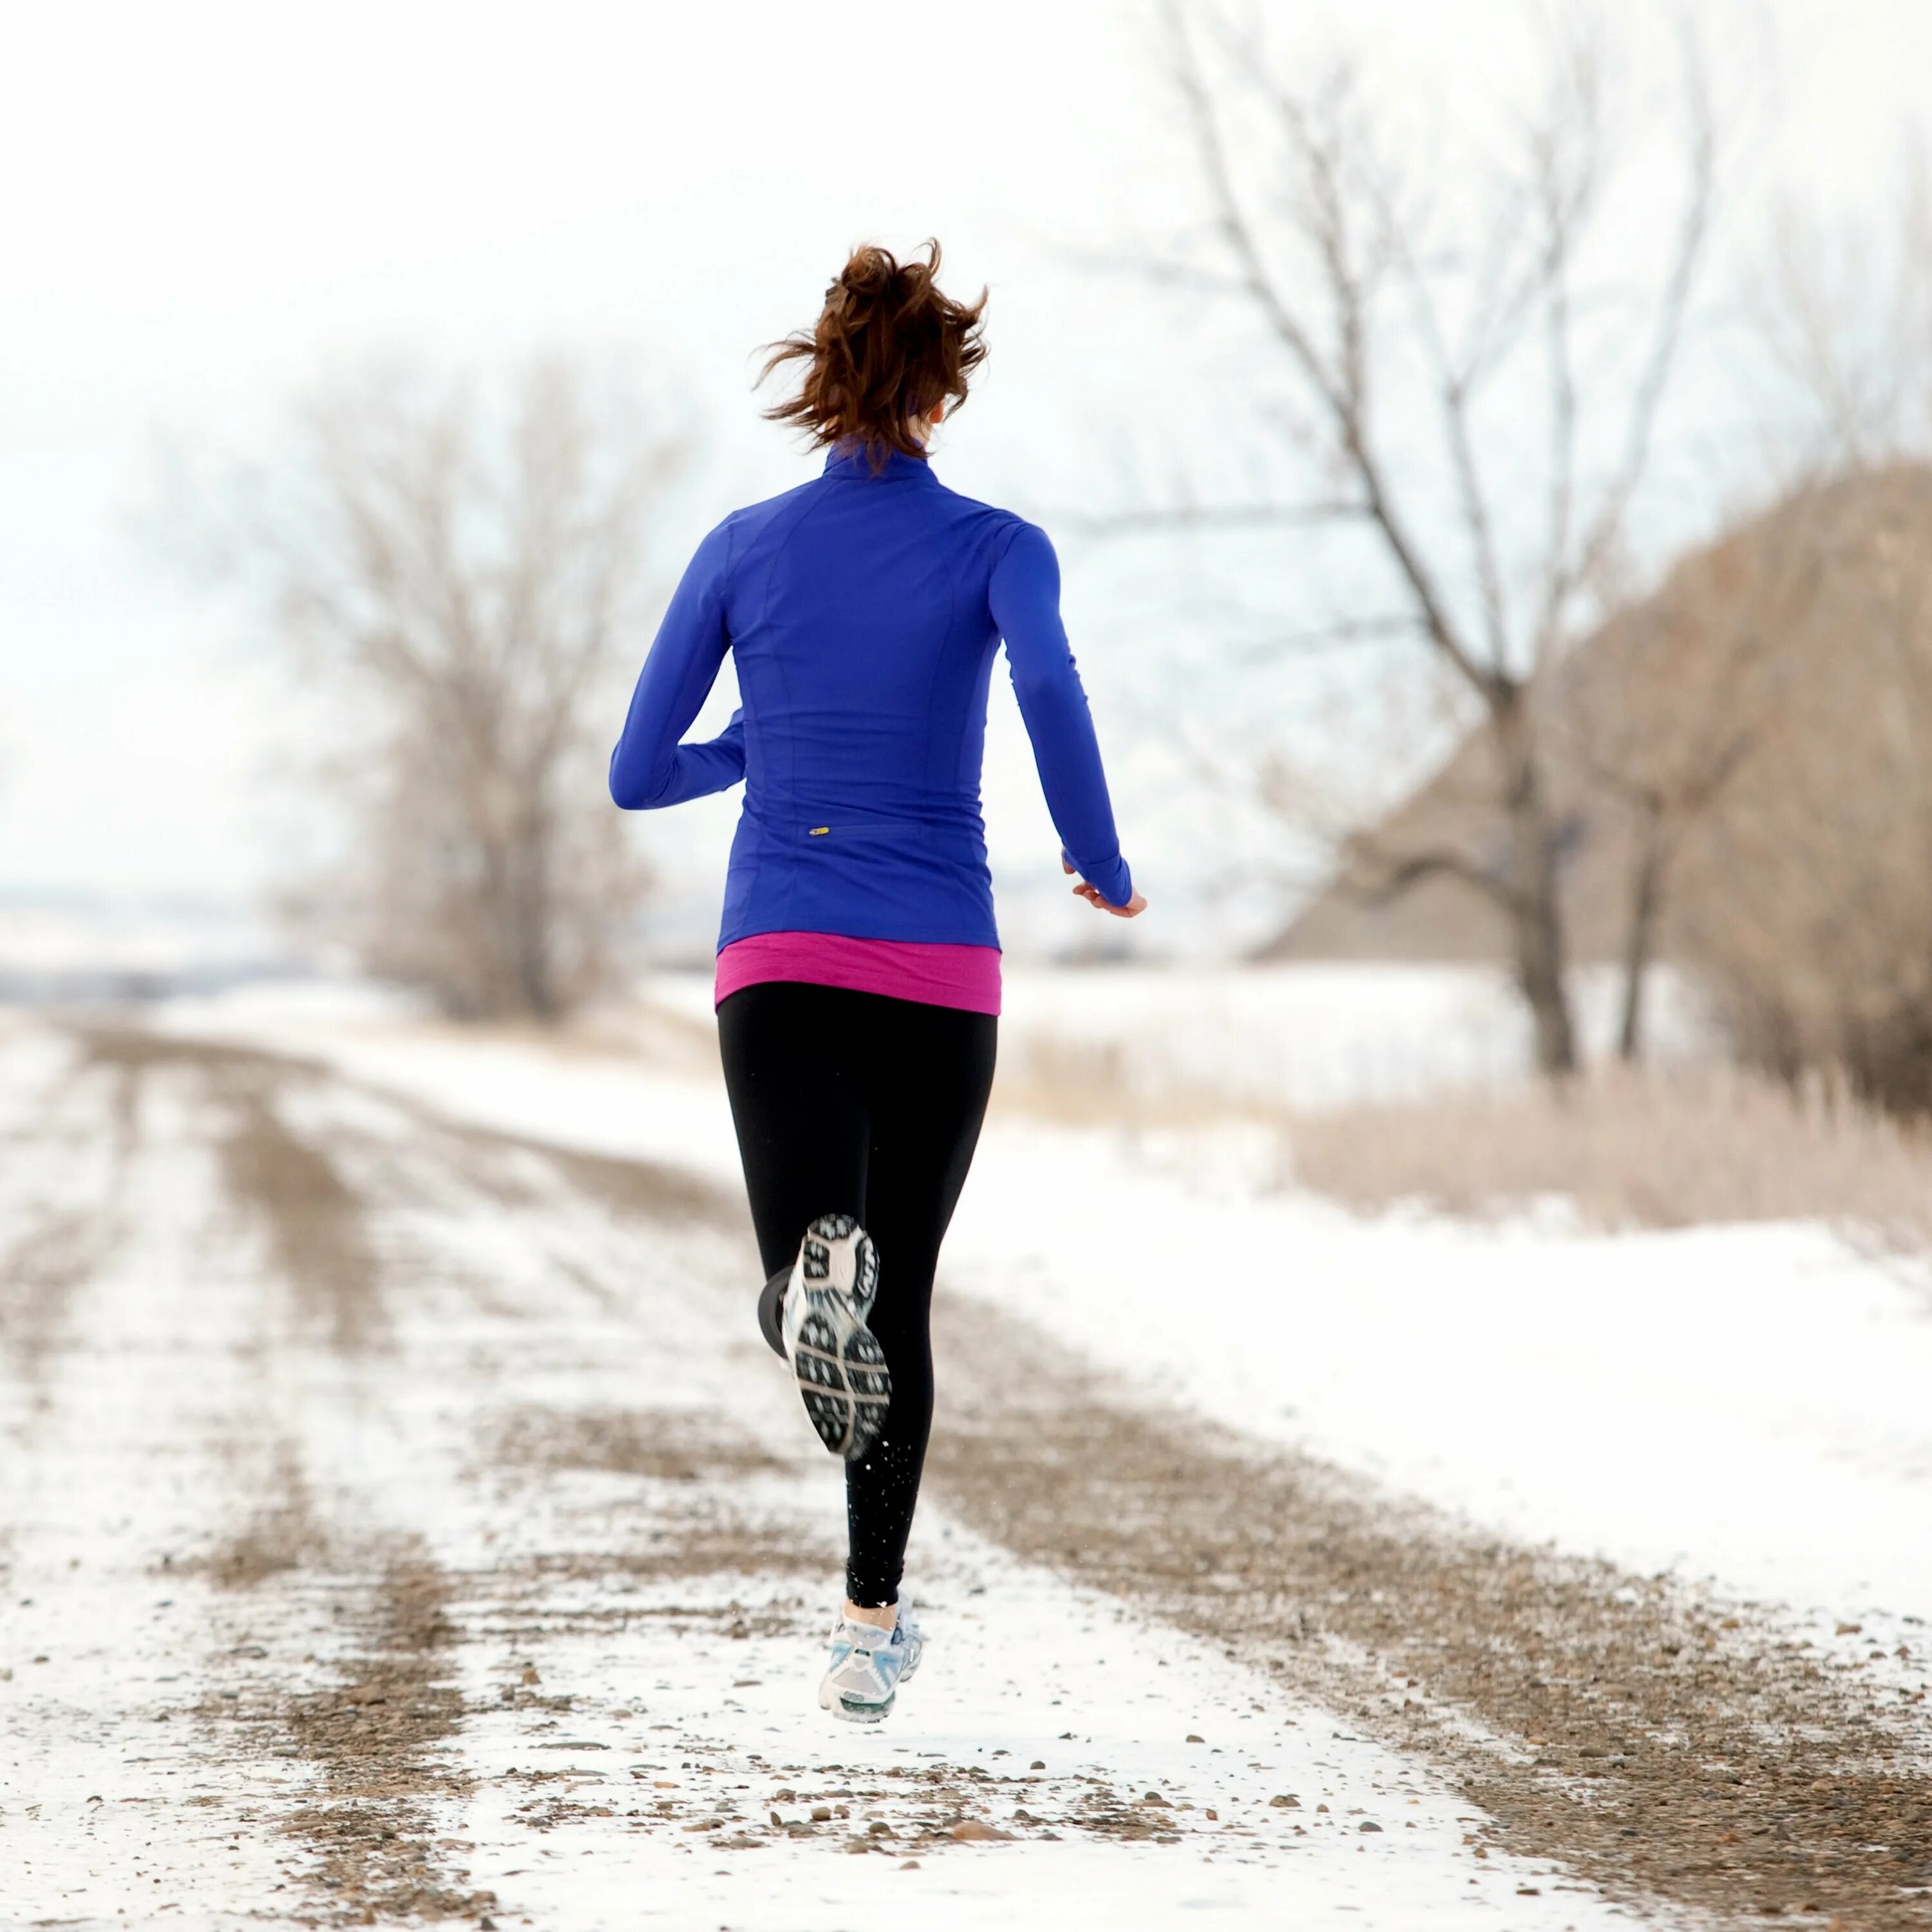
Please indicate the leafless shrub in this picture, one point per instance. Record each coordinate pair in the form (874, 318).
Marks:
(455, 565)
(1806, 899)
(1624, 1148)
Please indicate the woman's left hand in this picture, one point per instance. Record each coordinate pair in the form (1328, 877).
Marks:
(1134, 907)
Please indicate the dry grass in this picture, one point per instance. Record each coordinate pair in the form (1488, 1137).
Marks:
(1632, 1150)
(1684, 1147)
(1084, 1084)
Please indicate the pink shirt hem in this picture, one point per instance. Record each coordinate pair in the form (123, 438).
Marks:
(965, 976)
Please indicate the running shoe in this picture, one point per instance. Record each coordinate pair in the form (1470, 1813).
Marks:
(771, 1311)
(868, 1665)
(841, 1368)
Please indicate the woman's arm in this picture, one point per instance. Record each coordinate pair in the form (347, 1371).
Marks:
(1025, 593)
(650, 768)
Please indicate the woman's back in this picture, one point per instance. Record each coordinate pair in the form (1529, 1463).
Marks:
(863, 632)
(862, 610)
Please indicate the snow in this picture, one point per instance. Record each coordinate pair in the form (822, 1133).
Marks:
(1136, 1696)
(107, 1805)
(1741, 1406)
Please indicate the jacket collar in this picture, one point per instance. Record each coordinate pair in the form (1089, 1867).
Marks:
(849, 460)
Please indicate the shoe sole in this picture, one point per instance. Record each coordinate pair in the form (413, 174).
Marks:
(844, 1384)
(856, 1710)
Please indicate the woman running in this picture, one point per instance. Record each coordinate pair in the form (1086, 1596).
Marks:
(859, 966)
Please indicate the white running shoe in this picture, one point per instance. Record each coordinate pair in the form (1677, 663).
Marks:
(841, 1368)
(868, 1665)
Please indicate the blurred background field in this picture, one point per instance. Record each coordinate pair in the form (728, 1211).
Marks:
(1493, 494)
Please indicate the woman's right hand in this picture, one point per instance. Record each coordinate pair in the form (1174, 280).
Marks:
(1134, 907)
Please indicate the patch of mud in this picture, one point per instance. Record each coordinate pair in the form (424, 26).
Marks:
(374, 1738)
(1661, 1743)
(666, 1445)
(642, 1189)
(900, 1811)
(679, 1522)
(281, 1536)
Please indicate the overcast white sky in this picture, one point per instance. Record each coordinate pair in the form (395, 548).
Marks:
(205, 206)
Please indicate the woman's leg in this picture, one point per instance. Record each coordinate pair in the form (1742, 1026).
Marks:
(798, 1103)
(929, 1070)
(853, 1103)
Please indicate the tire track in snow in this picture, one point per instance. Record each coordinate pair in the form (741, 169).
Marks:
(705, 1504)
(291, 1186)
(371, 1738)
(128, 1464)
(39, 1273)
(377, 1738)
(65, 1185)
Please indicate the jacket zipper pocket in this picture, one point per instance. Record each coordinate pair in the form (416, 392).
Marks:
(843, 832)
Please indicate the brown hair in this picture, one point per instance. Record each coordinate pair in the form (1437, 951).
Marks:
(888, 347)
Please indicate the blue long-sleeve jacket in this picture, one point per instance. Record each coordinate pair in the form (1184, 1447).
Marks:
(863, 612)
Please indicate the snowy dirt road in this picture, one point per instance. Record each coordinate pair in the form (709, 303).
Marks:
(403, 1520)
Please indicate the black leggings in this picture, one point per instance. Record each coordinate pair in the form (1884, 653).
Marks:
(853, 1103)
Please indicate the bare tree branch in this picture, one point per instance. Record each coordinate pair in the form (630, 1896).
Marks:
(1392, 877)
(1647, 397)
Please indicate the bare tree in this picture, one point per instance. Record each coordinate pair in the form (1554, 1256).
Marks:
(1426, 325)
(1682, 689)
(1806, 906)
(455, 567)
